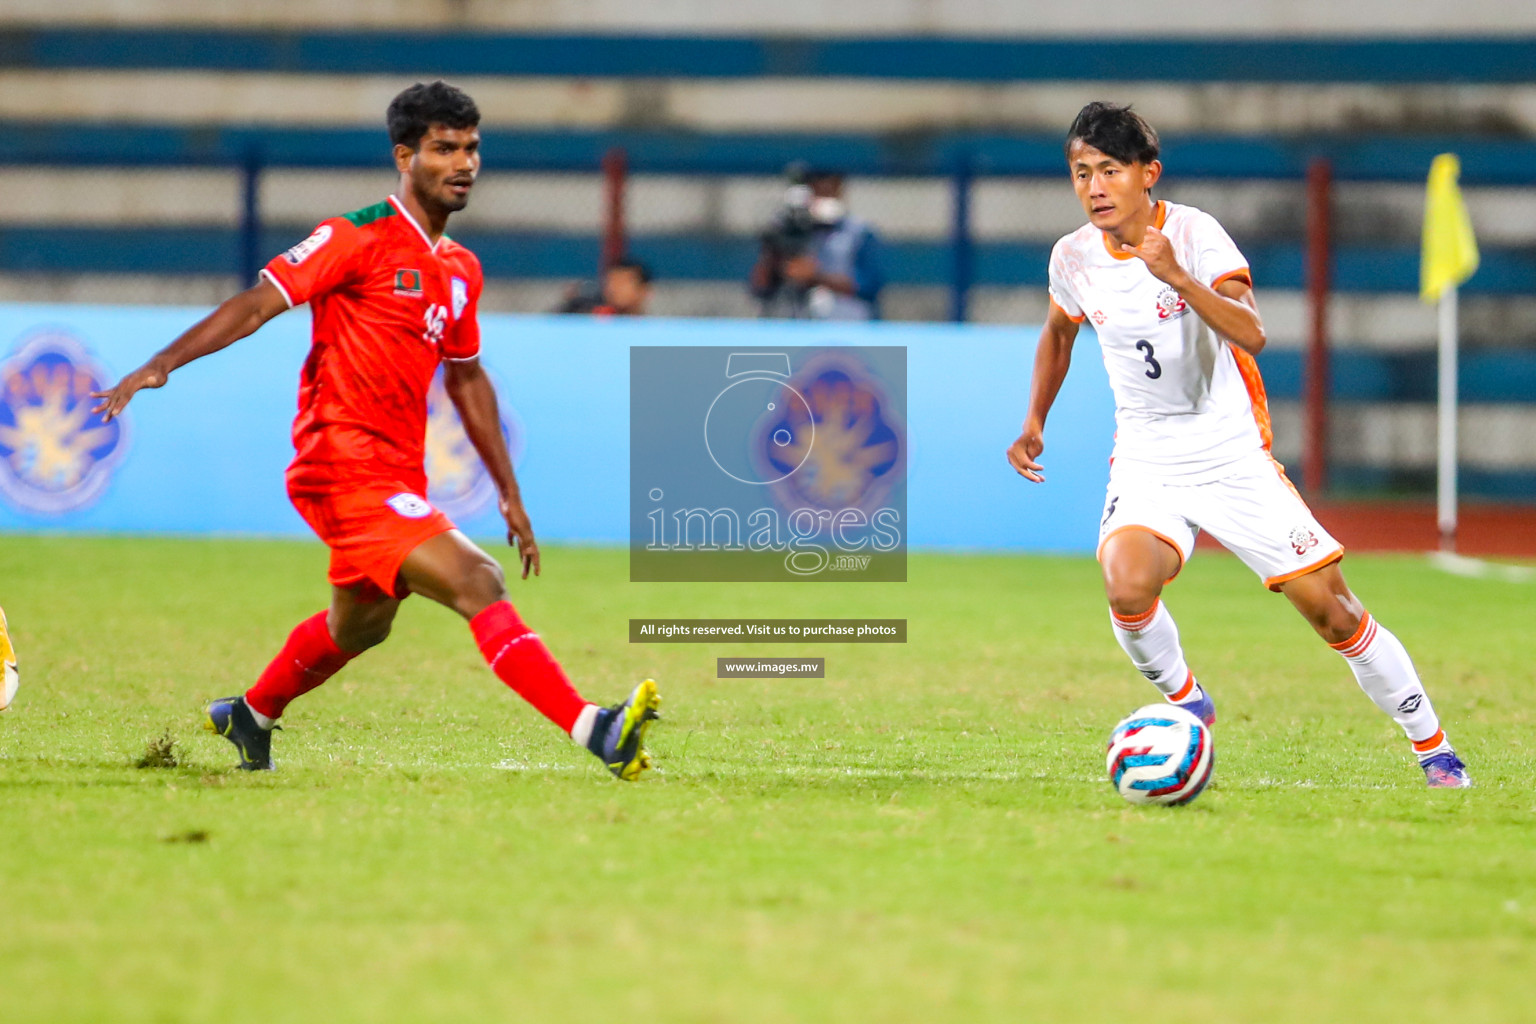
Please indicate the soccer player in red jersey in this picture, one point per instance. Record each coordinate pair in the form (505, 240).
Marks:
(392, 298)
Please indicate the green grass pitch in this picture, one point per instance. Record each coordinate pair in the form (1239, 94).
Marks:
(925, 835)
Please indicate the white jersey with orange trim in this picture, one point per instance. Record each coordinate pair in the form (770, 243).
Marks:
(1186, 402)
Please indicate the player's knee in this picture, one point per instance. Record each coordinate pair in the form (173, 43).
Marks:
(1130, 592)
(1129, 598)
(483, 585)
(361, 637)
(355, 634)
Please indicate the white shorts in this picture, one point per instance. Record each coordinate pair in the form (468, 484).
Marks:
(1252, 510)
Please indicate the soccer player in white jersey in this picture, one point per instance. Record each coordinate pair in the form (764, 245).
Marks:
(1171, 299)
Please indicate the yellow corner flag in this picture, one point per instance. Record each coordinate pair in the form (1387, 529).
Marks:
(1450, 250)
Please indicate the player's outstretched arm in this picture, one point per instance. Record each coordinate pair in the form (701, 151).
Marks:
(1053, 357)
(474, 396)
(237, 317)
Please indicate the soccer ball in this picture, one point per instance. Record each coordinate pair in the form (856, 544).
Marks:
(1160, 754)
(10, 679)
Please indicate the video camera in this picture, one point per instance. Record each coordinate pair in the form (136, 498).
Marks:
(790, 230)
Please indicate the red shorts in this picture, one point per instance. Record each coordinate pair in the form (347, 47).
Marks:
(370, 528)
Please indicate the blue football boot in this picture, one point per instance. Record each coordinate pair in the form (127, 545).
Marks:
(1445, 771)
(618, 733)
(231, 718)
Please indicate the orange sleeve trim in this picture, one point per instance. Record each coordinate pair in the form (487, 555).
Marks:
(1147, 529)
(1075, 319)
(1274, 582)
(1421, 746)
(1240, 274)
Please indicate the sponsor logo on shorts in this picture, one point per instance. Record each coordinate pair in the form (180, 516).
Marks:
(1171, 305)
(305, 249)
(459, 291)
(411, 506)
(408, 284)
(56, 456)
(1303, 540)
(1411, 704)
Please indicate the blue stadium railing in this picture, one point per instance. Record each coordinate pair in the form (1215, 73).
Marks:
(525, 254)
(1390, 60)
(1485, 160)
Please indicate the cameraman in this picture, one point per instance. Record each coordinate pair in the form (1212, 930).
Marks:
(817, 260)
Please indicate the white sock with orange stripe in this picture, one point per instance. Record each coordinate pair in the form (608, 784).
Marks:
(1386, 674)
(1152, 641)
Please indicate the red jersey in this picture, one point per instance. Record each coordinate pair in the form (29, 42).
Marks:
(388, 307)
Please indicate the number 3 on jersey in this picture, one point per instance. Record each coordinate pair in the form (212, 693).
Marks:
(436, 320)
(1154, 370)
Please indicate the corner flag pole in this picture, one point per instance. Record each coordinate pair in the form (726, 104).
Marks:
(1445, 477)
(1449, 258)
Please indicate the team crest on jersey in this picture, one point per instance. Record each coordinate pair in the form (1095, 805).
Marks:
(1171, 305)
(305, 249)
(56, 456)
(457, 481)
(834, 443)
(459, 295)
(1303, 540)
(408, 284)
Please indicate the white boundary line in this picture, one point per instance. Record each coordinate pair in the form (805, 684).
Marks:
(1478, 569)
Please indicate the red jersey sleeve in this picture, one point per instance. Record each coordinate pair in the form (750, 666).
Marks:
(323, 262)
(463, 340)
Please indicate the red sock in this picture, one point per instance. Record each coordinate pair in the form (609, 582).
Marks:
(309, 658)
(520, 659)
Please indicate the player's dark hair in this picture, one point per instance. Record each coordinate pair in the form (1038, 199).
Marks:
(630, 263)
(421, 106)
(1115, 131)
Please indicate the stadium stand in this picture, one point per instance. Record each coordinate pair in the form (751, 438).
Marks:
(145, 135)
